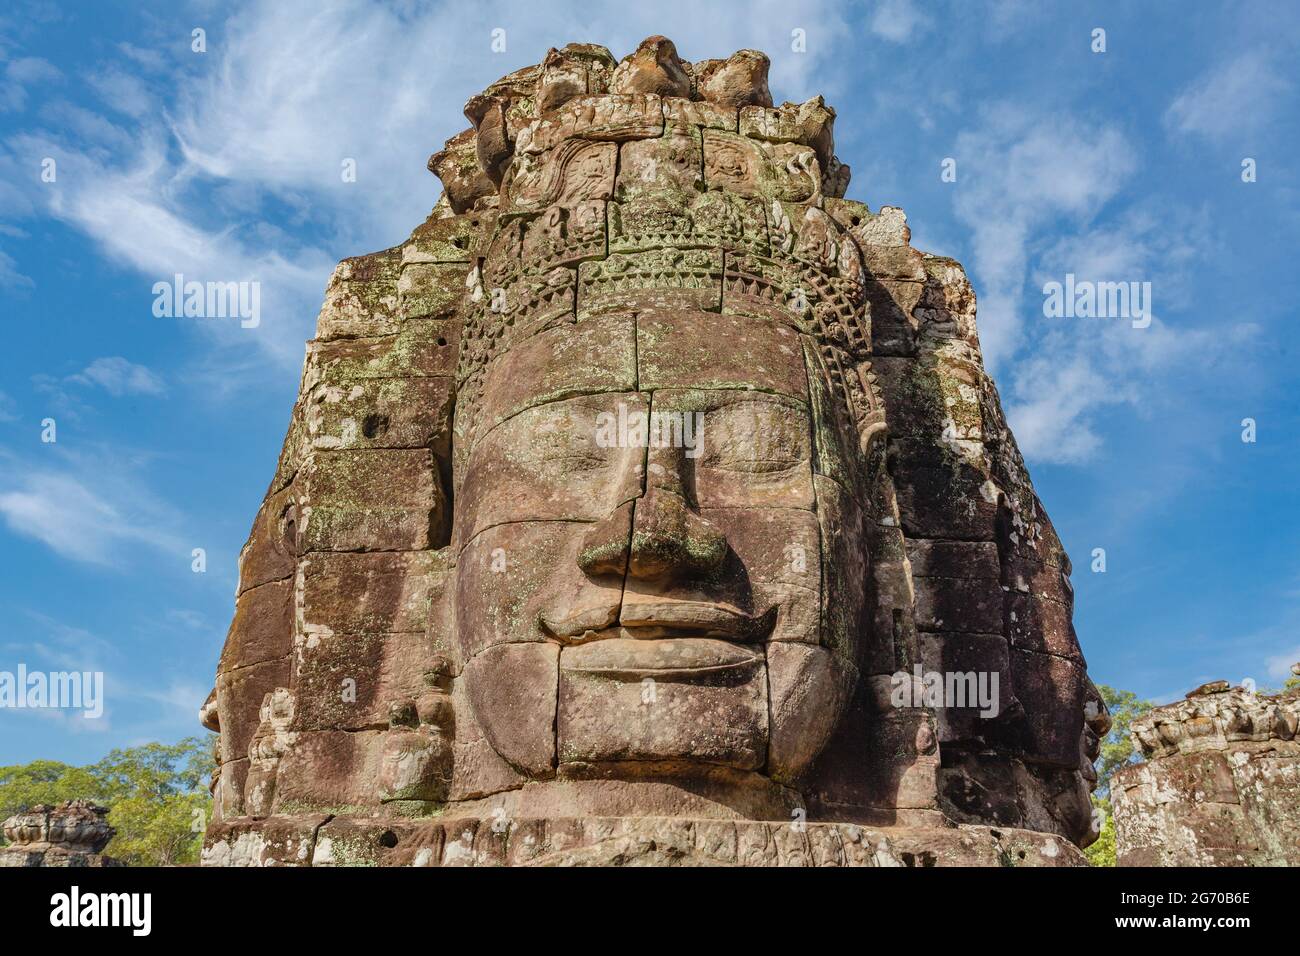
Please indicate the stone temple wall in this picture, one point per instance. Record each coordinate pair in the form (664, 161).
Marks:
(596, 210)
(1220, 785)
(72, 834)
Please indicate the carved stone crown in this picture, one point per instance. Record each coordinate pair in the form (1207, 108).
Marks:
(1213, 717)
(77, 825)
(655, 183)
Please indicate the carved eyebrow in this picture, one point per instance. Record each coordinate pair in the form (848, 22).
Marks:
(587, 401)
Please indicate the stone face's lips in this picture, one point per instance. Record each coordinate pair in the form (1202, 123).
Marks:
(580, 621)
(657, 617)
(635, 659)
(704, 617)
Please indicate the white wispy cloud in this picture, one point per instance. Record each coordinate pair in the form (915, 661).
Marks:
(180, 701)
(94, 508)
(48, 644)
(1055, 396)
(143, 217)
(287, 91)
(1042, 197)
(10, 276)
(1022, 174)
(1278, 666)
(1072, 369)
(122, 91)
(118, 376)
(19, 75)
(137, 707)
(70, 396)
(897, 20)
(1234, 99)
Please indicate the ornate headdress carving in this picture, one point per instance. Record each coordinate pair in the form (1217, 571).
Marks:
(722, 203)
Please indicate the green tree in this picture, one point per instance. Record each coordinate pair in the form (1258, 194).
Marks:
(1291, 683)
(1102, 851)
(158, 801)
(1117, 748)
(156, 795)
(44, 781)
(1117, 751)
(163, 832)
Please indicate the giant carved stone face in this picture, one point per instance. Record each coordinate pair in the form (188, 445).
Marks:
(654, 574)
(631, 486)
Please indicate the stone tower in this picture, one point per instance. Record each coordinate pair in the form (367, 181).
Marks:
(650, 503)
(1220, 785)
(72, 834)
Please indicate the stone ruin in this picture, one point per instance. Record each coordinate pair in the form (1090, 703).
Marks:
(72, 834)
(625, 505)
(1220, 785)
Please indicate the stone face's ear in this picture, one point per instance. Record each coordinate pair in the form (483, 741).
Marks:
(739, 80)
(653, 68)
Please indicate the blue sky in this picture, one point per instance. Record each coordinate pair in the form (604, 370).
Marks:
(1124, 165)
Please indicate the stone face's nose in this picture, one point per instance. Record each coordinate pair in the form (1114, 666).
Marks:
(605, 546)
(660, 535)
(671, 540)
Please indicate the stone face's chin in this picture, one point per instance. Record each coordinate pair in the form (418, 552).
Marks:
(637, 701)
(690, 699)
(768, 707)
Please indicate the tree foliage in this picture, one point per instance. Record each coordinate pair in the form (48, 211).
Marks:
(1117, 747)
(1117, 751)
(156, 794)
(1102, 851)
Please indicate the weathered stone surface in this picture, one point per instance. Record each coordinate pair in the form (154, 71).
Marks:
(549, 463)
(595, 356)
(957, 604)
(1220, 785)
(72, 834)
(759, 434)
(240, 693)
(367, 592)
(653, 68)
(684, 350)
(621, 841)
(270, 554)
(739, 80)
(372, 500)
(512, 690)
(274, 841)
(685, 699)
(262, 628)
(976, 670)
(423, 347)
(622, 501)
(801, 676)
(382, 413)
